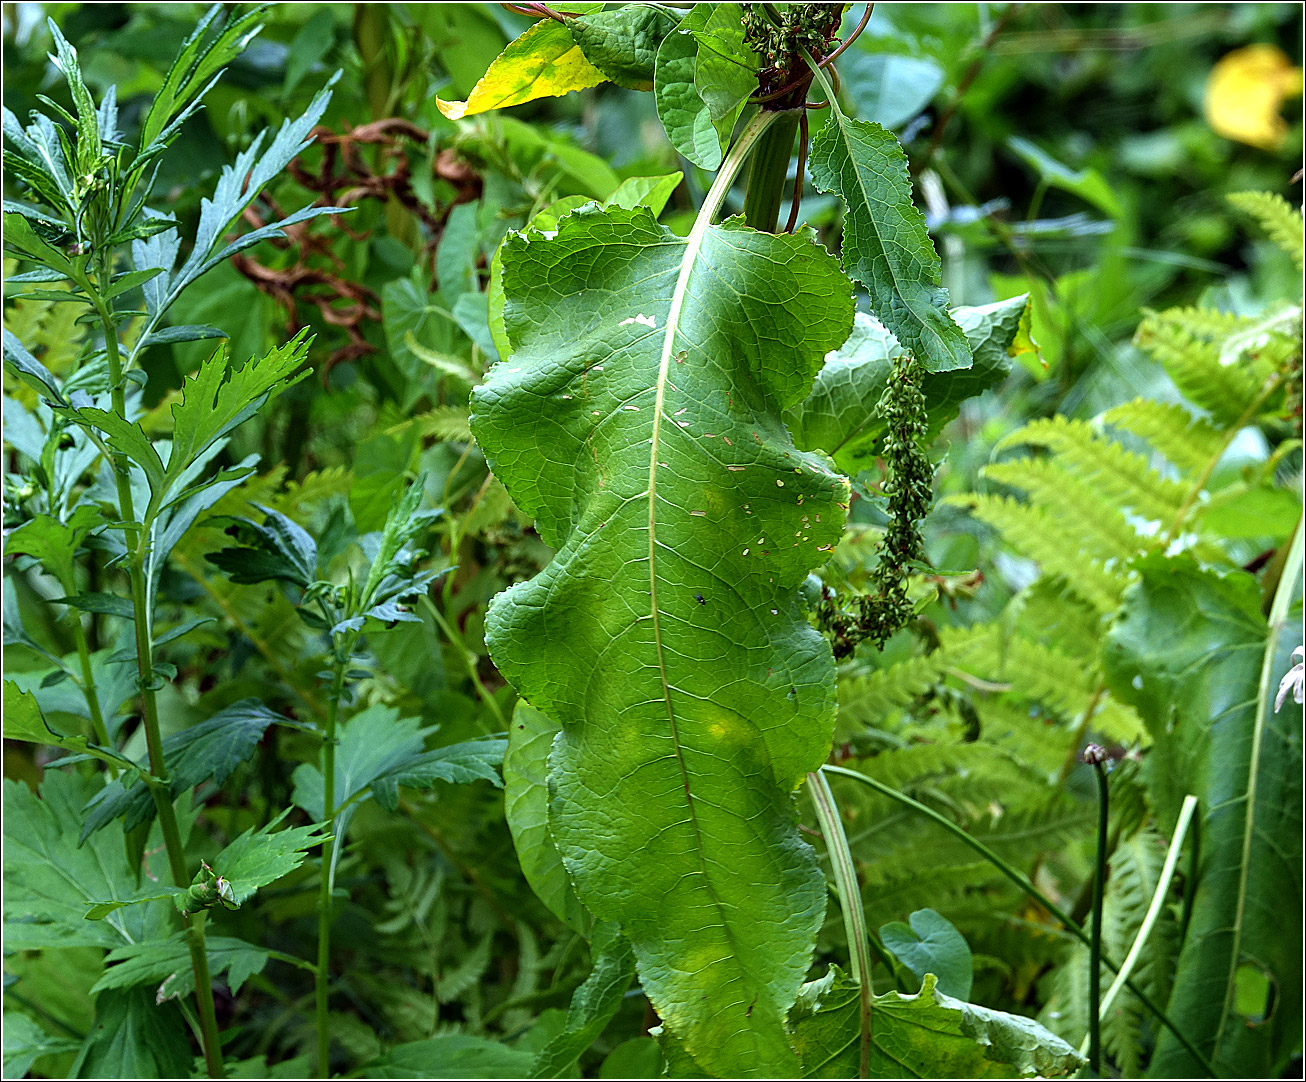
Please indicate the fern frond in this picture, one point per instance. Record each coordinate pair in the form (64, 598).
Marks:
(445, 423)
(1224, 390)
(892, 890)
(1029, 735)
(1120, 723)
(1134, 876)
(1118, 474)
(314, 488)
(1280, 221)
(1188, 442)
(868, 700)
(1208, 323)
(1048, 611)
(492, 506)
(1050, 822)
(921, 764)
(1036, 534)
(1103, 529)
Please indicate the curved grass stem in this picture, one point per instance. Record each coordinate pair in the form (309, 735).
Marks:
(850, 902)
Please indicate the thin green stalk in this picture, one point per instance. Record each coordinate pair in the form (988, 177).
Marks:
(1025, 885)
(850, 901)
(469, 662)
(88, 679)
(322, 979)
(137, 538)
(1096, 756)
(1153, 911)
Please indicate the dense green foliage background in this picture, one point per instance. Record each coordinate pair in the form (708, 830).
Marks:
(1059, 151)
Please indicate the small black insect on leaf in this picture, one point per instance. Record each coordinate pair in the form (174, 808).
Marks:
(700, 599)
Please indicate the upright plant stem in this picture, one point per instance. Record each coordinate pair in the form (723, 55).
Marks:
(850, 901)
(137, 539)
(322, 983)
(1095, 755)
(1025, 885)
(769, 172)
(88, 677)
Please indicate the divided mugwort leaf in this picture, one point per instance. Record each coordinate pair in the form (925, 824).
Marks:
(639, 421)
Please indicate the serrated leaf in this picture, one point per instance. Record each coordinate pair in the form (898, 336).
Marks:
(277, 549)
(451, 1055)
(458, 764)
(623, 43)
(211, 749)
(543, 62)
(56, 543)
(221, 396)
(197, 64)
(167, 963)
(526, 807)
(928, 1035)
(51, 880)
(262, 856)
(372, 743)
(643, 434)
(24, 720)
(25, 1042)
(133, 1037)
(840, 417)
(105, 604)
(885, 244)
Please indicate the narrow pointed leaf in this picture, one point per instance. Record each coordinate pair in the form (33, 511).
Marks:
(638, 421)
(526, 807)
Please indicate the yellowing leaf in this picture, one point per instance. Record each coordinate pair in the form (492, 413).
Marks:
(1245, 92)
(543, 63)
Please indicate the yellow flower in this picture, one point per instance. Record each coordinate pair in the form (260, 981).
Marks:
(1245, 91)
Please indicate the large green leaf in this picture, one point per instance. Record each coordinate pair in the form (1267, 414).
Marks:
(526, 807)
(840, 418)
(623, 42)
(885, 245)
(928, 1035)
(133, 1037)
(1187, 649)
(704, 73)
(50, 879)
(592, 1005)
(638, 420)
